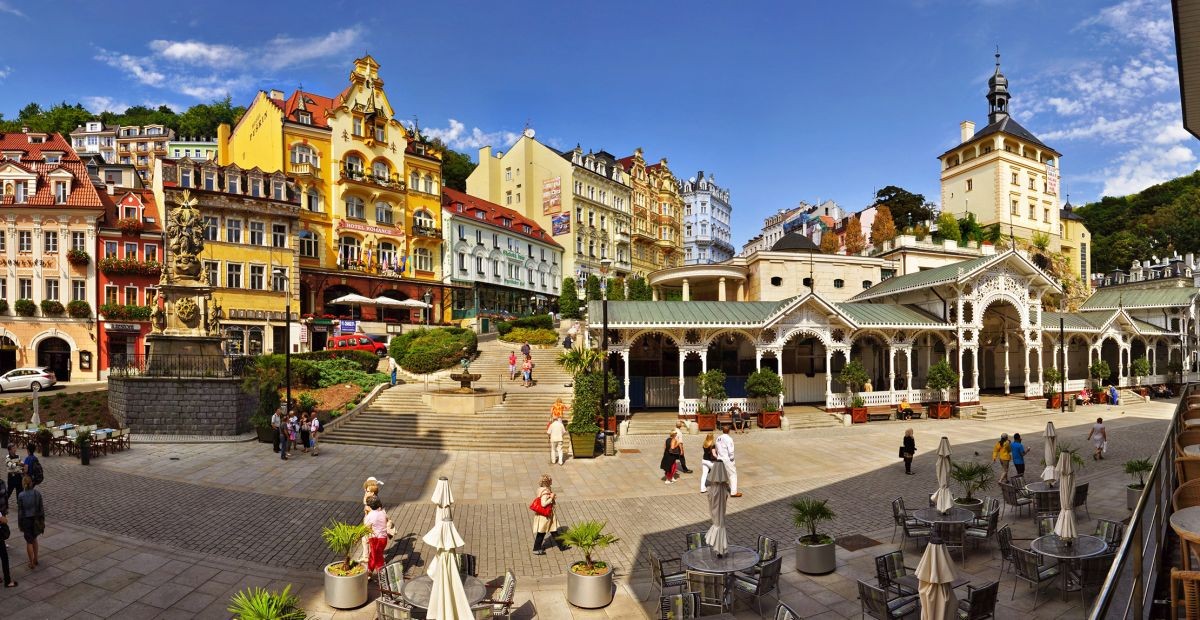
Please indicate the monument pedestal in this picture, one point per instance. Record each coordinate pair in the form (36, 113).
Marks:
(188, 356)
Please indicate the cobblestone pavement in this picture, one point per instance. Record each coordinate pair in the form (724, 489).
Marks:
(239, 505)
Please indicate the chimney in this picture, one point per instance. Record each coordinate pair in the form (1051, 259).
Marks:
(24, 128)
(112, 189)
(966, 130)
(276, 94)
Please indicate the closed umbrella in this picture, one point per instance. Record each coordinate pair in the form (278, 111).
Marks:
(447, 598)
(942, 498)
(443, 498)
(936, 575)
(718, 496)
(1051, 445)
(1065, 528)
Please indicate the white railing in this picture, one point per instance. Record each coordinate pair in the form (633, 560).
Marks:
(839, 400)
(1154, 379)
(1033, 390)
(928, 395)
(969, 395)
(621, 407)
(1075, 385)
(691, 406)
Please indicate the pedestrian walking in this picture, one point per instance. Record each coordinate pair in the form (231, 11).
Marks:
(392, 368)
(512, 365)
(544, 522)
(314, 432)
(567, 343)
(1019, 451)
(908, 449)
(679, 426)
(1099, 438)
(31, 518)
(376, 520)
(558, 409)
(710, 457)
(15, 469)
(33, 467)
(5, 532)
(1002, 453)
(305, 432)
(725, 455)
(670, 458)
(276, 424)
(281, 433)
(371, 488)
(525, 350)
(527, 372)
(556, 431)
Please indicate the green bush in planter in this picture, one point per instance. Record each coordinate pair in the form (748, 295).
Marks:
(423, 351)
(79, 309)
(342, 539)
(25, 307)
(1137, 469)
(1140, 367)
(712, 387)
(853, 376)
(367, 361)
(1051, 379)
(941, 378)
(531, 335)
(973, 477)
(262, 604)
(766, 386)
(52, 307)
(807, 515)
(503, 327)
(586, 407)
(1099, 370)
(588, 537)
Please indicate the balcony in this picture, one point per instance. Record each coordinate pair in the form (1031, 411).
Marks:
(426, 231)
(622, 236)
(665, 243)
(366, 178)
(305, 170)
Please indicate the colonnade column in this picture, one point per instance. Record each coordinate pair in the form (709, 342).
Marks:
(1153, 360)
(757, 358)
(703, 361)
(654, 293)
(687, 292)
(1007, 381)
(828, 376)
(1027, 366)
(741, 291)
(683, 353)
(961, 374)
(625, 358)
(721, 290)
(891, 373)
(908, 372)
(975, 368)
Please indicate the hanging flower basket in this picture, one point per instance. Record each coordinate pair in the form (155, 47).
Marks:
(52, 307)
(78, 257)
(25, 307)
(79, 309)
(130, 226)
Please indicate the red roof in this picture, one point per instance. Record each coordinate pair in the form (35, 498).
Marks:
(493, 214)
(133, 197)
(33, 160)
(626, 162)
(318, 105)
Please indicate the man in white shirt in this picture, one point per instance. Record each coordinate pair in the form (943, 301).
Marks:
(275, 430)
(725, 455)
(392, 366)
(556, 430)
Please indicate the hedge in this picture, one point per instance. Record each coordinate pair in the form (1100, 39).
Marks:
(533, 336)
(366, 360)
(327, 371)
(586, 406)
(423, 351)
(536, 321)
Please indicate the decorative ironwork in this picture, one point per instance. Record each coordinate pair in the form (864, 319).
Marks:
(691, 336)
(767, 336)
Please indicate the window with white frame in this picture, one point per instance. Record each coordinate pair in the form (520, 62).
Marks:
(49, 242)
(354, 165)
(428, 184)
(349, 249)
(257, 275)
(357, 126)
(211, 225)
(381, 171)
(233, 275)
(110, 249)
(279, 235)
(110, 294)
(78, 290)
(414, 181)
(423, 259)
(210, 180)
(380, 132)
(313, 200)
(308, 244)
(25, 241)
(213, 269)
(279, 280)
(131, 296)
(233, 182)
(258, 234)
(256, 187)
(131, 251)
(61, 189)
(424, 219)
(52, 289)
(383, 213)
(278, 190)
(25, 288)
(387, 253)
(354, 207)
(304, 154)
(233, 230)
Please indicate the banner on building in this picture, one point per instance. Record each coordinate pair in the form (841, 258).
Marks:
(1051, 179)
(560, 224)
(347, 326)
(551, 195)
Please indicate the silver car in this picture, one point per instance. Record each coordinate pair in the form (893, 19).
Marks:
(33, 379)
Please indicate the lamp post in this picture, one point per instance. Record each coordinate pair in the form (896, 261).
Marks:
(609, 448)
(428, 305)
(281, 273)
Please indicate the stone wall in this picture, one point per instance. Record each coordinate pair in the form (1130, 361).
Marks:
(169, 406)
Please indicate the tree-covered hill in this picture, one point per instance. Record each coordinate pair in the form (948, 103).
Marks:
(1159, 220)
(198, 121)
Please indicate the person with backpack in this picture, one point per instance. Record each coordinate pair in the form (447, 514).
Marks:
(314, 431)
(31, 518)
(33, 467)
(543, 514)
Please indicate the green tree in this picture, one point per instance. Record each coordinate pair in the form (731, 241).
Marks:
(592, 288)
(202, 119)
(568, 300)
(456, 166)
(616, 289)
(639, 290)
(907, 208)
(712, 387)
(883, 229)
(948, 227)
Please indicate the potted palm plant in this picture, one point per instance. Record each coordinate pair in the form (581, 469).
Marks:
(972, 477)
(815, 552)
(345, 580)
(590, 582)
(1050, 381)
(263, 604)
(853, 375)
(712, 386)
(1137, 468)
(941, 378)
(766, 386)
(44, 437)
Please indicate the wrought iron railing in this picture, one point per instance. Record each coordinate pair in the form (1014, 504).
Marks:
(1129, 590)
(179, 366)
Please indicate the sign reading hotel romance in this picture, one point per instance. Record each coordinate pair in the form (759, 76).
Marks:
(123, 327)
(1051, 179)
(27, 262)
(551, 195)
(367, 228)
(560, 224)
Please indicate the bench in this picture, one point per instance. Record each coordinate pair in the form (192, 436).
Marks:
(881, 414)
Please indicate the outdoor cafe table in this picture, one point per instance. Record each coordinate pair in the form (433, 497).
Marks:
(954, 515)
(736, 558)
(416, 591)
(1186, 523)
(1041, 487)
(1083, 547)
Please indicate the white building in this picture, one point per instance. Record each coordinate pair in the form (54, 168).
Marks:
(96, 138)
(706, 216)
(810, 219)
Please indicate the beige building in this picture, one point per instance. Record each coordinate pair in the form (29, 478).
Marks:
(583, 199)
(657, 206)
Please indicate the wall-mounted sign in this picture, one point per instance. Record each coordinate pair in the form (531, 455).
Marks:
(85, 360)
(379, 230)
(27, 262)
(551, 195)
(123, 327)
(513, 255)
(348, 326)
(560, 224)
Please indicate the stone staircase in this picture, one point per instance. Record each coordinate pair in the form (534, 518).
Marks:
(993, 408)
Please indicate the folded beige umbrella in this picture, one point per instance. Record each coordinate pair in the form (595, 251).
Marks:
(1049, 473)
(1065, 527)
(447, 598)
(936, 575)
(942, 499)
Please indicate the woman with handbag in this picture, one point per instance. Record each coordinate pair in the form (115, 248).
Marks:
(670, 458)
(907, 450)
(31, 518)
(543, 514)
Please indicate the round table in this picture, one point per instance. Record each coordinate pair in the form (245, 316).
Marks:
(1082, 547)
(1041, 487)
(416, 591)
(736, 558)
(954, 515)
(1186, 523)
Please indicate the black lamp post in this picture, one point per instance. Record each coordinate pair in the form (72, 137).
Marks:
(428, 305)
(608, 433)
(281, 273)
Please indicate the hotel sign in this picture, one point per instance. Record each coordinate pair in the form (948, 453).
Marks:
(551, 195)
(123, 327)
(367, 228)
(27, 262)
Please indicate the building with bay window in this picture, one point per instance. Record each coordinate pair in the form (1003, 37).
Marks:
(96, 138)
(49, 209)
(706, 221)
(129, 255)
(502, 263)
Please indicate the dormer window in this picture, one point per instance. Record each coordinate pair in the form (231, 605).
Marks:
(233, 183)
(52, 158)
(256, 187)
(12, 155)
(380, 133)
(277, 191)
(304, 118)
(36, 138)
(358, 126)
(185, 177)
(61, 189)
(210, 181)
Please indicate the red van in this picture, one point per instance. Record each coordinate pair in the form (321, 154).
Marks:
(358, 342)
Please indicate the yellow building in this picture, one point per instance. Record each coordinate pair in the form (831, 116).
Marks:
(583, 199)
(657, 206)
(1076, 244)
(249, 256)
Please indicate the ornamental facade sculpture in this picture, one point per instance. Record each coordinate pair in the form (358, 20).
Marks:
(185, 239)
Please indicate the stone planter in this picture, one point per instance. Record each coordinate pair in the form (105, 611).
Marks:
(590, 591)
(1054, 402)
(345, 592)
(85, 454)
(583, 445)
(1132, 495)
(973, 504)
(266, 434)
(816, 559)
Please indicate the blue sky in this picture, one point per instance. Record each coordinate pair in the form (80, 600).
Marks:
(783, 101)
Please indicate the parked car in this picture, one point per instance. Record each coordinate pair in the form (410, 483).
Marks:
(358, 342)
(34, 379)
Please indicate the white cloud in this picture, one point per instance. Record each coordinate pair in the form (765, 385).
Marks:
(1146, 22)
(284, 51)
(1145, 166)
(98, 104)
(141, 69)
(5, 71)
(6, 7)
(198, 53)
(457, 137)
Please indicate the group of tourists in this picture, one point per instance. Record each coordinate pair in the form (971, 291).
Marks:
(292, 431)
(715, 448)
(24, 474)
(526, 365)
(380, 527)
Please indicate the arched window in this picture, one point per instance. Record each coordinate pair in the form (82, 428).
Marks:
(383, 213)
(308, 244)
(354, 165)
(381, 170)
(354, 207)
(428, 184)
(414, 181)
(423, 259)
(423, 218)
(387, 255)
(313, 199)
(349, 250)
(304, 154)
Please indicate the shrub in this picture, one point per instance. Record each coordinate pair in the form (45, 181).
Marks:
(304, 372)
(1140, 367)
(3, 306)
(52, 307)
(1100, 370)
(343, 539)
(503, 327)
(122, 312)
(339, 371)
(534, 336)
(79, 309)
(588, 537)
(712, 385)
(307, 403)
(585, 411)
(853, 375)
(261, 604)
(765, 385)
(808, 514)
(429, 350)
(263, 381)
(568, 300)
(941, 378)
(536, 321)
(366, 360)
(972, 476)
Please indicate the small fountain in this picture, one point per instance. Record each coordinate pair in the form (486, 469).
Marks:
(465, 377)
(465, 398)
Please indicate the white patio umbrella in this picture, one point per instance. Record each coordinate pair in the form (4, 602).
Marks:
(936, 575)
(389, 302)
(352, 300)
(718, 497)
(415, 303)
(942, 499)
(443, 498)
(1065, 528)
(447, 598)
(1049, 473)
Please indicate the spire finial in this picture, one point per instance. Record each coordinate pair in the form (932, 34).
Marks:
(997, 58)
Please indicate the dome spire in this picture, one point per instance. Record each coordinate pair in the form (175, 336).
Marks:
(998, 94)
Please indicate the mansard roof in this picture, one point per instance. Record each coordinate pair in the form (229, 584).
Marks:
(1167, 297)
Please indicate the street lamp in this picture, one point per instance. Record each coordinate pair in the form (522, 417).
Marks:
(605, 264)
(428, 305)
(281, 273)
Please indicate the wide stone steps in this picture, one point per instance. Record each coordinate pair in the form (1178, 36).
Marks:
(485, 432)
(1006, 408)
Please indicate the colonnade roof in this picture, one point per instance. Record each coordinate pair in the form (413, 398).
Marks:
(1111, 299)
(623, 314)
(1098, 321)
